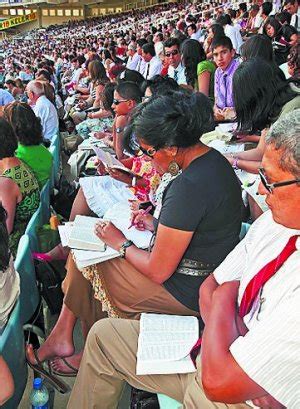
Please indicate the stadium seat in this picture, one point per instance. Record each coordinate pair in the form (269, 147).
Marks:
(168, 403)
(13, 352)
(45, 203)
(31, 229)
(55, 151)
(29, 297)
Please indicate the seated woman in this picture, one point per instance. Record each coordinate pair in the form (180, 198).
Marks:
(28, 130)
(9, 278)
(261, 95)
(102, 119)
(282, 37)
(199, 71)
(98, 81)
(19, 189)
(214, 31)
(198, 226)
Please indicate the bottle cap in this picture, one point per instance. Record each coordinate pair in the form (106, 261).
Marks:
(37, 383)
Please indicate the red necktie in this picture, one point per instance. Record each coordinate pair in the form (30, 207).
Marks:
(255, 284)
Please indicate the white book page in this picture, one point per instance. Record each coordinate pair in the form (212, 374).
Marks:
(224, 148)
(165, 342)
(107, 158)
(120, 215)
(65, 232)
(82, 235)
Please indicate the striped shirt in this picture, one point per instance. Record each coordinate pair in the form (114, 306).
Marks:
(270, 352)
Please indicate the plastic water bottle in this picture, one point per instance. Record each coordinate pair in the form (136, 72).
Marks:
(39, 396)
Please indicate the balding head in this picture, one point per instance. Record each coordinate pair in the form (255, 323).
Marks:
(36, 87)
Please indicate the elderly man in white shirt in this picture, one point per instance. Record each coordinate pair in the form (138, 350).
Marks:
(153, 63)
(133, 58)
(43, 108)
(172, 52)
(250, 349)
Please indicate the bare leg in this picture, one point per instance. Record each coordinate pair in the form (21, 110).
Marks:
(60, 341)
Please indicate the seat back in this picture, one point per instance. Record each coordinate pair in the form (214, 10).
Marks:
(45, 203)
(167, 403)
(29, 296)
(13, 352)
(31, 229)
(55, 151)
(244, 230)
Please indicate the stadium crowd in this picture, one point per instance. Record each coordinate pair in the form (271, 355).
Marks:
(200, 103)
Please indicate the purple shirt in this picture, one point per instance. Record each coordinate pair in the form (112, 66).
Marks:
(223, 85)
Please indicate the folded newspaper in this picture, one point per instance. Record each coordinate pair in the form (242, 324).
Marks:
(164, 344)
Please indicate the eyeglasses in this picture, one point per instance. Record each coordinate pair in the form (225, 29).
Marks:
(174, 52)
(148, 152)
(118, 101)
(271, 186)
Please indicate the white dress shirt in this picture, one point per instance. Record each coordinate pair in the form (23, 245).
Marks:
(153, 67)
(295, 20)
(270, 352)
(133, 62)
(46, 111)
(181, 79)
(235, 36)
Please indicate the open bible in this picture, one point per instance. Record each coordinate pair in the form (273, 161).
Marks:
(164, 344)
(110, 161)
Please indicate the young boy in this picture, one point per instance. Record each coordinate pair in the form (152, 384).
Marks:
(223, 54)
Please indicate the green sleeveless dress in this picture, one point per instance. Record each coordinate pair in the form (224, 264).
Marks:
(29, 189)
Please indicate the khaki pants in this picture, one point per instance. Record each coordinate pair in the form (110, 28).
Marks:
(109, 361)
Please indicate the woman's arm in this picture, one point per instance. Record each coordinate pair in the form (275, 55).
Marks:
(7, 386)
(10, 196)
(169, 248)
(203, 82)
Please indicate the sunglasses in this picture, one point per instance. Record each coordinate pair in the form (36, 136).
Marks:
(271, 186)
(118, 101)
(174, 52)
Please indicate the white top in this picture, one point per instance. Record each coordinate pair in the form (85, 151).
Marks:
(75, 75)
(233, 32)
(270, 352)
(141, 66)
(45, 110)
(295, 20)
(181, 79)
(133, 61)
(258, 21)
(9, 292)
(153, 67)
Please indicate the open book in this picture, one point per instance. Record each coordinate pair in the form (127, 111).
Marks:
(110, 161)
(88, 249)
(164, 344)
(82, 235)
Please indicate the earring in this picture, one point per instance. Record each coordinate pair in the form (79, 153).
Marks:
(173, 168)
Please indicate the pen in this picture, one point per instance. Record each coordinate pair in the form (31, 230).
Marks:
(144, 212)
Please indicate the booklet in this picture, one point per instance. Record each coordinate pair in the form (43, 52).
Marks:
(164, 344)
(110, 161)
(82, 235)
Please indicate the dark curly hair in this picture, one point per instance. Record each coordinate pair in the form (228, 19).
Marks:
(26, 125)
(8, 140)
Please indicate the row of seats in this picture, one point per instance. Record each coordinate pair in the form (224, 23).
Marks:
(12, 339)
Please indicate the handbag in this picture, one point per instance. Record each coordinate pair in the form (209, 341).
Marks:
(143, 400)
(50, 276)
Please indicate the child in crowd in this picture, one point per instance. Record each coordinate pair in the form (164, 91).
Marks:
(223, 54)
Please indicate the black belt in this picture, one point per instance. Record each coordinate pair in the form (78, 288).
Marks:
(195, 268)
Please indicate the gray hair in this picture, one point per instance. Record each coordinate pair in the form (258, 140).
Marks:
(285, 135)
(37, 87)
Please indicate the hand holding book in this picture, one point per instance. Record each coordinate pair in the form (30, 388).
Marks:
(109, 234)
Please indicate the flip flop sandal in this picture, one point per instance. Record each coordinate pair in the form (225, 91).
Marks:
(67, 374)
(61, 386)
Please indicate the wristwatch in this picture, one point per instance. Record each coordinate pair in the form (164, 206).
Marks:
(124, 246)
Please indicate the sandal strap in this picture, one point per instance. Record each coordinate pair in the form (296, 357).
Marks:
(69, 365)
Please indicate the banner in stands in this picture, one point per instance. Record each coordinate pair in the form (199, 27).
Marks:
(12, 22)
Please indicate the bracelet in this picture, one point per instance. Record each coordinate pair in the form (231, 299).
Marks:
(124, 246)
(133, 182)
(235, 164)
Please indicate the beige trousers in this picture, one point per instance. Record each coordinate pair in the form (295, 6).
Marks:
(109, 360)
